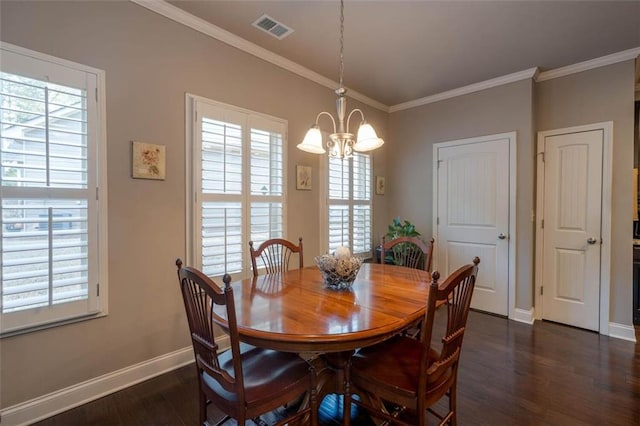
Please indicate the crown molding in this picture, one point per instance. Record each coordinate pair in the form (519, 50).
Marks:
(476, 87)
(603, 61)
(533, 73)
(176, 14)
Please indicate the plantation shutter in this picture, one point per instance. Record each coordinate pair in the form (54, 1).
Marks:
(48, 188)
(241, 182)
(339, 211)
(221, 213)
(349, 205)
(361, 203)
(267, 180)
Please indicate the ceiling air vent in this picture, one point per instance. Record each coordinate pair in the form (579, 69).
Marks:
(273, 27)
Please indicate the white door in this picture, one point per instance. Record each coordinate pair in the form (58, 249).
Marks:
(572, 228)
(473, 181)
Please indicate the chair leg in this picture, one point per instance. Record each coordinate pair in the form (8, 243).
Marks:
(202, 407)
(313, 403)
(452, 403)
(346, 402)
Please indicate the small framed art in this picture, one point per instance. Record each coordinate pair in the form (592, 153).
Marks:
(148, 161)
(379, 185)
(303, 178)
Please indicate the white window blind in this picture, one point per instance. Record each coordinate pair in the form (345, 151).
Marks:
(48, 186)
(239, 186)
(349, 204)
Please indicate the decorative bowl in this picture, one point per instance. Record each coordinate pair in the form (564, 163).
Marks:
(338, 272)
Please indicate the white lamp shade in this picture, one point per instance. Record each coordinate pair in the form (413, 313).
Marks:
(367, 138)
(312, 141)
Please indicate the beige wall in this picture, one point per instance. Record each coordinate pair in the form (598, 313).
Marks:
(603, 94)
(413, 132)
(150, 63)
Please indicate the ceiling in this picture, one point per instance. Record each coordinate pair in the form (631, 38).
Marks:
(400, 51)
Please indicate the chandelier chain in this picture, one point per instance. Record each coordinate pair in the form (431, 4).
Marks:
(341, 40)
(341, 143)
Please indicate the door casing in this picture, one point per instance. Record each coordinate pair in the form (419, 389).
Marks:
(605, 254)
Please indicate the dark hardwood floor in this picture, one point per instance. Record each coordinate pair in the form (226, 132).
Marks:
(510, 374)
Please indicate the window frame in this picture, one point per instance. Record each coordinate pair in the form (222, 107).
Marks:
(325, 203)
(193, 176)
(40, 66)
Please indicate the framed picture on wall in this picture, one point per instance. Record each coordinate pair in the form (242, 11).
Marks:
(148, 161)
(379, 185)
(303, 178)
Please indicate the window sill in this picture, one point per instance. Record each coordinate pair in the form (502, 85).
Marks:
(18, 332)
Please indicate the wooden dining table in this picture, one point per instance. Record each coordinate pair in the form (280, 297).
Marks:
(295, 311)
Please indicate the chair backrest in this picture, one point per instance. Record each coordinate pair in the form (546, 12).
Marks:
(454, 293)
(429, 258)
(200, 295)
(275, 255)
(411, 252)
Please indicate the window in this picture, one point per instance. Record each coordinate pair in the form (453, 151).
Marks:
(238, 184)
(349, 204)
(50, 158)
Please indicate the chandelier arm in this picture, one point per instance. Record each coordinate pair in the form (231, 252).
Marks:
(330, 116)
(351, 113)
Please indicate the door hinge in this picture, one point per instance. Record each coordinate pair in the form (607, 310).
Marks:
(437, 221)
(541, 156)
(98, 290)
(96, 94)
(541, 290)
(97, 193)
(542, 224)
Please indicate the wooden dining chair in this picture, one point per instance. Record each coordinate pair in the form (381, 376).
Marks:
(414, 253)
(411, 373)
(244, 381)
(275, 255)
(411, 252)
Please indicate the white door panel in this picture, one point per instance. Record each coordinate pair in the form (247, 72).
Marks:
(572, 228)
(459, 252)
(473, 212)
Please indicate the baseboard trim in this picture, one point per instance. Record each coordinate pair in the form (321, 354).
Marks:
(56, 402)
(521, 315)
(622, 331)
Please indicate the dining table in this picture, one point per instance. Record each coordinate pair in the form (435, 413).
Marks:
(295, 311)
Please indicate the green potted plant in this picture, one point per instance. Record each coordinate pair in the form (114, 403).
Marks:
(397, 228)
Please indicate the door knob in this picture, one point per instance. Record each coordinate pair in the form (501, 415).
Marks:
(591, 240)
(502, 236)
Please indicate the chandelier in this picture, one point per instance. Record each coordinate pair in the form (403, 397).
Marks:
(341, 142)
